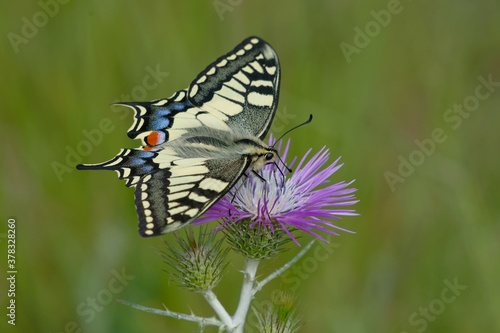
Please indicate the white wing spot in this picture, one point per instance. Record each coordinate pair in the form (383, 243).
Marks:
(248, 69)
(178, 210)
(257, 67)
(240, 52)
(147, 178)
(161, 102)
(149, 232)
(261, 100)
(179, 188)
(193, 91)
(142, 110)
(147, 212)
(135, 180)
(144, 195)
(211, 71)
(213, 184)
(242, 77)
(192, 212)
(254, 40)
(126, 172)
(149, 219)
(222, 63)
(115, 162)
(248, 47)
(231, 57)
(178, 195)
(202, 79)
(150, 225)
(146, 204)
(231, 94)
(184, 180)
(260, 83)
(181, 96)
(144, 187)
(173, 204)
(198, 198)
(235, 85)
(271, 70)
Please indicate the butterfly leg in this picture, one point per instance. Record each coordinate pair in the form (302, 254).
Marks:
(236, 192)
(257, 174)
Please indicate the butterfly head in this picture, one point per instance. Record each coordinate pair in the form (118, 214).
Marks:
(263, 156)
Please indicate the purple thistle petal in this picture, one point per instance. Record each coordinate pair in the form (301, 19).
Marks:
(297, 201)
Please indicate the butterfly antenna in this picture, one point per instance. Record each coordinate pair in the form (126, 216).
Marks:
(277, 167)
(304, 123)
(286, 166)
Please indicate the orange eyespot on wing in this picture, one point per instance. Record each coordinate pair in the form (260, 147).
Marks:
(155, 138)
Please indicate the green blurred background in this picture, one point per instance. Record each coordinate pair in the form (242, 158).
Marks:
(437, 223)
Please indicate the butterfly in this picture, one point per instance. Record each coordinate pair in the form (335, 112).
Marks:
(199, 142)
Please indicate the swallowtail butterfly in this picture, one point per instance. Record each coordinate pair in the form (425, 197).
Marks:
(199, 142)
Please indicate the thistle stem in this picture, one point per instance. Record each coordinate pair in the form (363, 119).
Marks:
(200, 320)
(246, 294)
(218, 308)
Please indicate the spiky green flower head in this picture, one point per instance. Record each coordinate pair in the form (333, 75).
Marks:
(199, 262)
(256, 243)
(281, 316)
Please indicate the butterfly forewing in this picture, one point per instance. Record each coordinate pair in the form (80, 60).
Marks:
(192, 149)
(241, 87)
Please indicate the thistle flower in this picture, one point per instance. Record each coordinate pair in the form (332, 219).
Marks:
(295, 202)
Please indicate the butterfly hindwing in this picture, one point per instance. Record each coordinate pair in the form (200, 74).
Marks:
(170, 198)
(130, 164)
(153, 121)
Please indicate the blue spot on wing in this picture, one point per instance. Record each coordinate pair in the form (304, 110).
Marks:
(163, 112)
(179, 106)
(160, 123)
(144, 154)
(137, 161)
